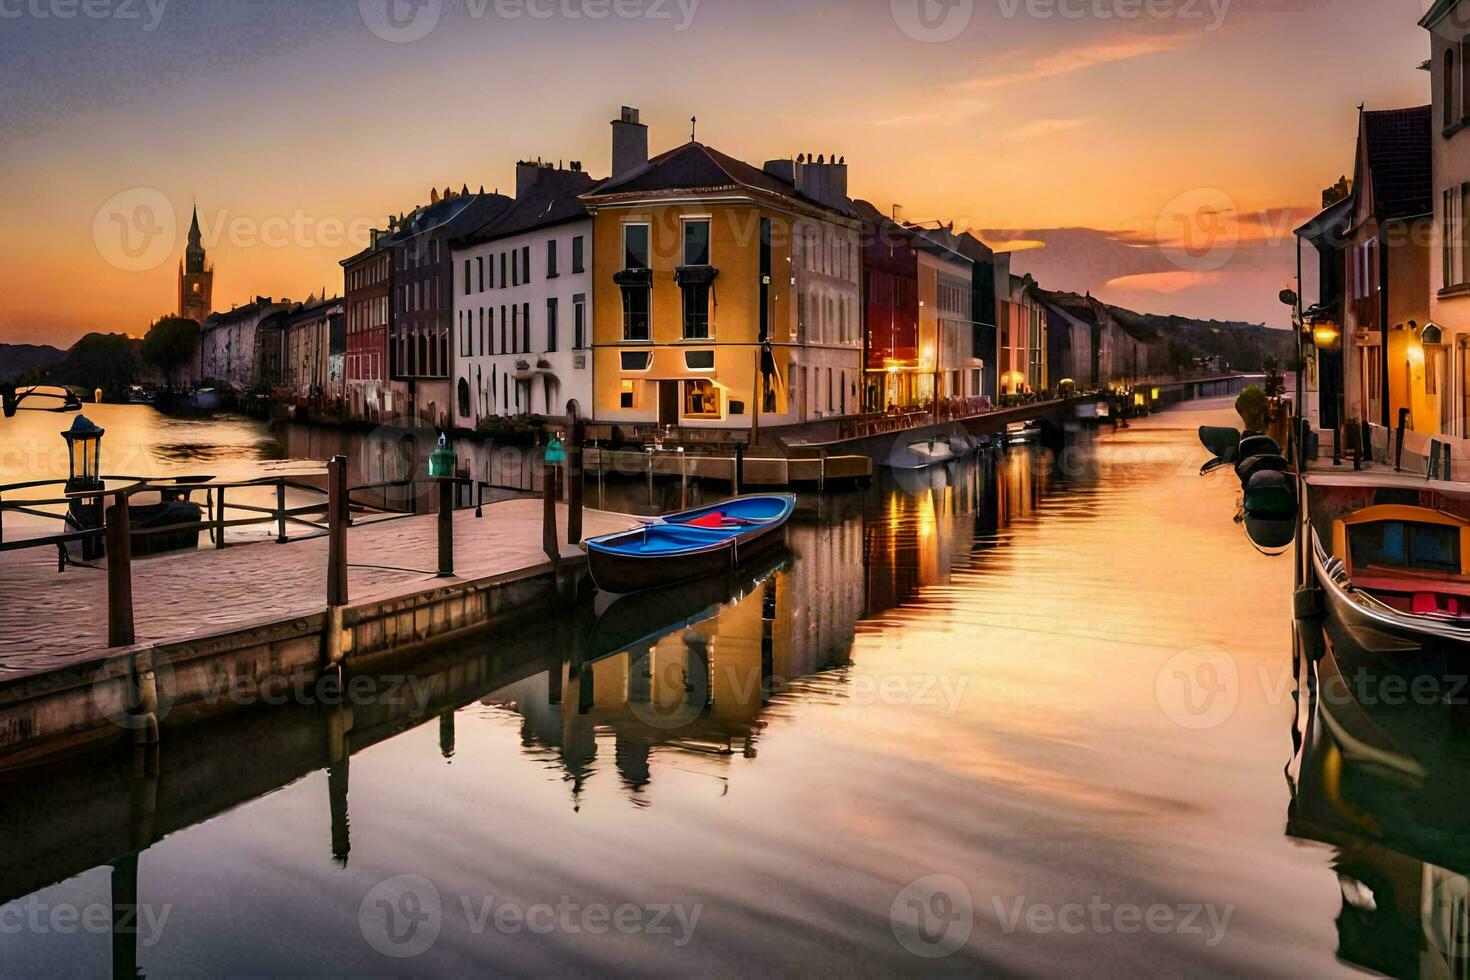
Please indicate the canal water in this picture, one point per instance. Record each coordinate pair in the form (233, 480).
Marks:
(1038, 716)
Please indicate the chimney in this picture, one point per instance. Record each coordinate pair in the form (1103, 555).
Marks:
(630, 143)
(526, 174)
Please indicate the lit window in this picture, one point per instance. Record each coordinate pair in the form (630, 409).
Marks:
(701, 400)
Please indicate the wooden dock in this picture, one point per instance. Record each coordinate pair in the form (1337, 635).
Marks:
(206, 620)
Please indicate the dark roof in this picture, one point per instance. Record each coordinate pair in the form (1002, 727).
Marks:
(1399, 151)
(261, 304)
(702, 169)
(1078, 306)
(551, 200)
(1330, 219)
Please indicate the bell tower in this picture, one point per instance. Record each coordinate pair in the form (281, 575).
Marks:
(196, 278)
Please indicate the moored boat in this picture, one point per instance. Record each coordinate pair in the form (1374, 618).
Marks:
(921, 453)
(1392, 558)
(689, 545)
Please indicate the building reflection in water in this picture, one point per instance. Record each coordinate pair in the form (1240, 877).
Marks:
(700, 683)
(1384, 784)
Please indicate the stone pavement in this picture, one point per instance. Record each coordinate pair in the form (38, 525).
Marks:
(48, 619)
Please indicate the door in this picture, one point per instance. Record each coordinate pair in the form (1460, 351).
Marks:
(668, 403)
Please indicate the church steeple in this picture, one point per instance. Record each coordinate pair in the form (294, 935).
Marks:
(194, 254)
(196, 279)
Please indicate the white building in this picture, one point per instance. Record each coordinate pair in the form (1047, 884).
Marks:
(826, 283)
(523, 303)
(227, 348)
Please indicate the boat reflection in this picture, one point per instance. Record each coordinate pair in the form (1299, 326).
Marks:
(1380, 779)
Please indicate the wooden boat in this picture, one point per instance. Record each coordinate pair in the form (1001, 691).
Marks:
(1022, 432)
(921, 453)
(689, 545)
(1395, 568)
(174, 522)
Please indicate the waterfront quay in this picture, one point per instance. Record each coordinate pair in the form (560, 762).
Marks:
(213, 627)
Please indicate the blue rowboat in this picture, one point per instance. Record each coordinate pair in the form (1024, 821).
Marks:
(691, 544)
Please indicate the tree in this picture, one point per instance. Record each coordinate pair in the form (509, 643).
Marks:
(171, 343)
(1253, 408)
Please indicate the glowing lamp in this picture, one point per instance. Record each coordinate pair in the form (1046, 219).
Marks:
(1326, 336)
(84, 451)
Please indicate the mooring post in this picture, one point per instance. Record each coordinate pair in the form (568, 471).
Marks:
(576, 480)
(119, 575)
(550, 540)
(281, 511)
(219, 520)
(1398, 440)
(446, 527)
(337, 531)
(739, 469)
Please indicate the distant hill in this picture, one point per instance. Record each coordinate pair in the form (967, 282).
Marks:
(17, 359)
(1244, 345)
(99, 360)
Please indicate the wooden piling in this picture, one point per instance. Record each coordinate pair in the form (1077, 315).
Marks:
(281, 511)
(576, 479)
(550, 540)
(119, 575)
(337, 508)
(446, 528)
(219, 518)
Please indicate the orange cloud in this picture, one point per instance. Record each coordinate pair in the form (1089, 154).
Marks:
(1165, 282)
(1080, 58)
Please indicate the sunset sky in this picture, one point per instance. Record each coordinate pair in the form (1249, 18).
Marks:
(1080, 137)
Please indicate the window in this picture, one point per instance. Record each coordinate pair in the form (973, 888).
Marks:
(699, 360)
(504, 278)
(625, 394)
(480, 264)
(551, 259)
(526, 327)
(1398, 544)
(577, 259)
(696, 310)
(701, 399)
(515, 269)
(466, 277)
(635, 312)
(635, 247)
(635, 360)
(579, 321)
(504, 344)
(696, 242)
(525, 263)
(551, 324)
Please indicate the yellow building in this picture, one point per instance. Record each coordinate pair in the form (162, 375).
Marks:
(725, 296)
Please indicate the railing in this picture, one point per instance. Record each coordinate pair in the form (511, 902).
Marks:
(215, 520)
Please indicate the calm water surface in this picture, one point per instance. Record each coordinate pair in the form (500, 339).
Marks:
(1065, 685)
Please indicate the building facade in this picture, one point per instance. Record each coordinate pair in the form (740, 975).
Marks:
(367, 299)
(1393, 358)
(1022, 337)
(313, 349)
(420, 353)
(946, 325)
(702, 289)
(196, 277)
(890, 271)
(1449, 266)
(227, 343)
(523, 311)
